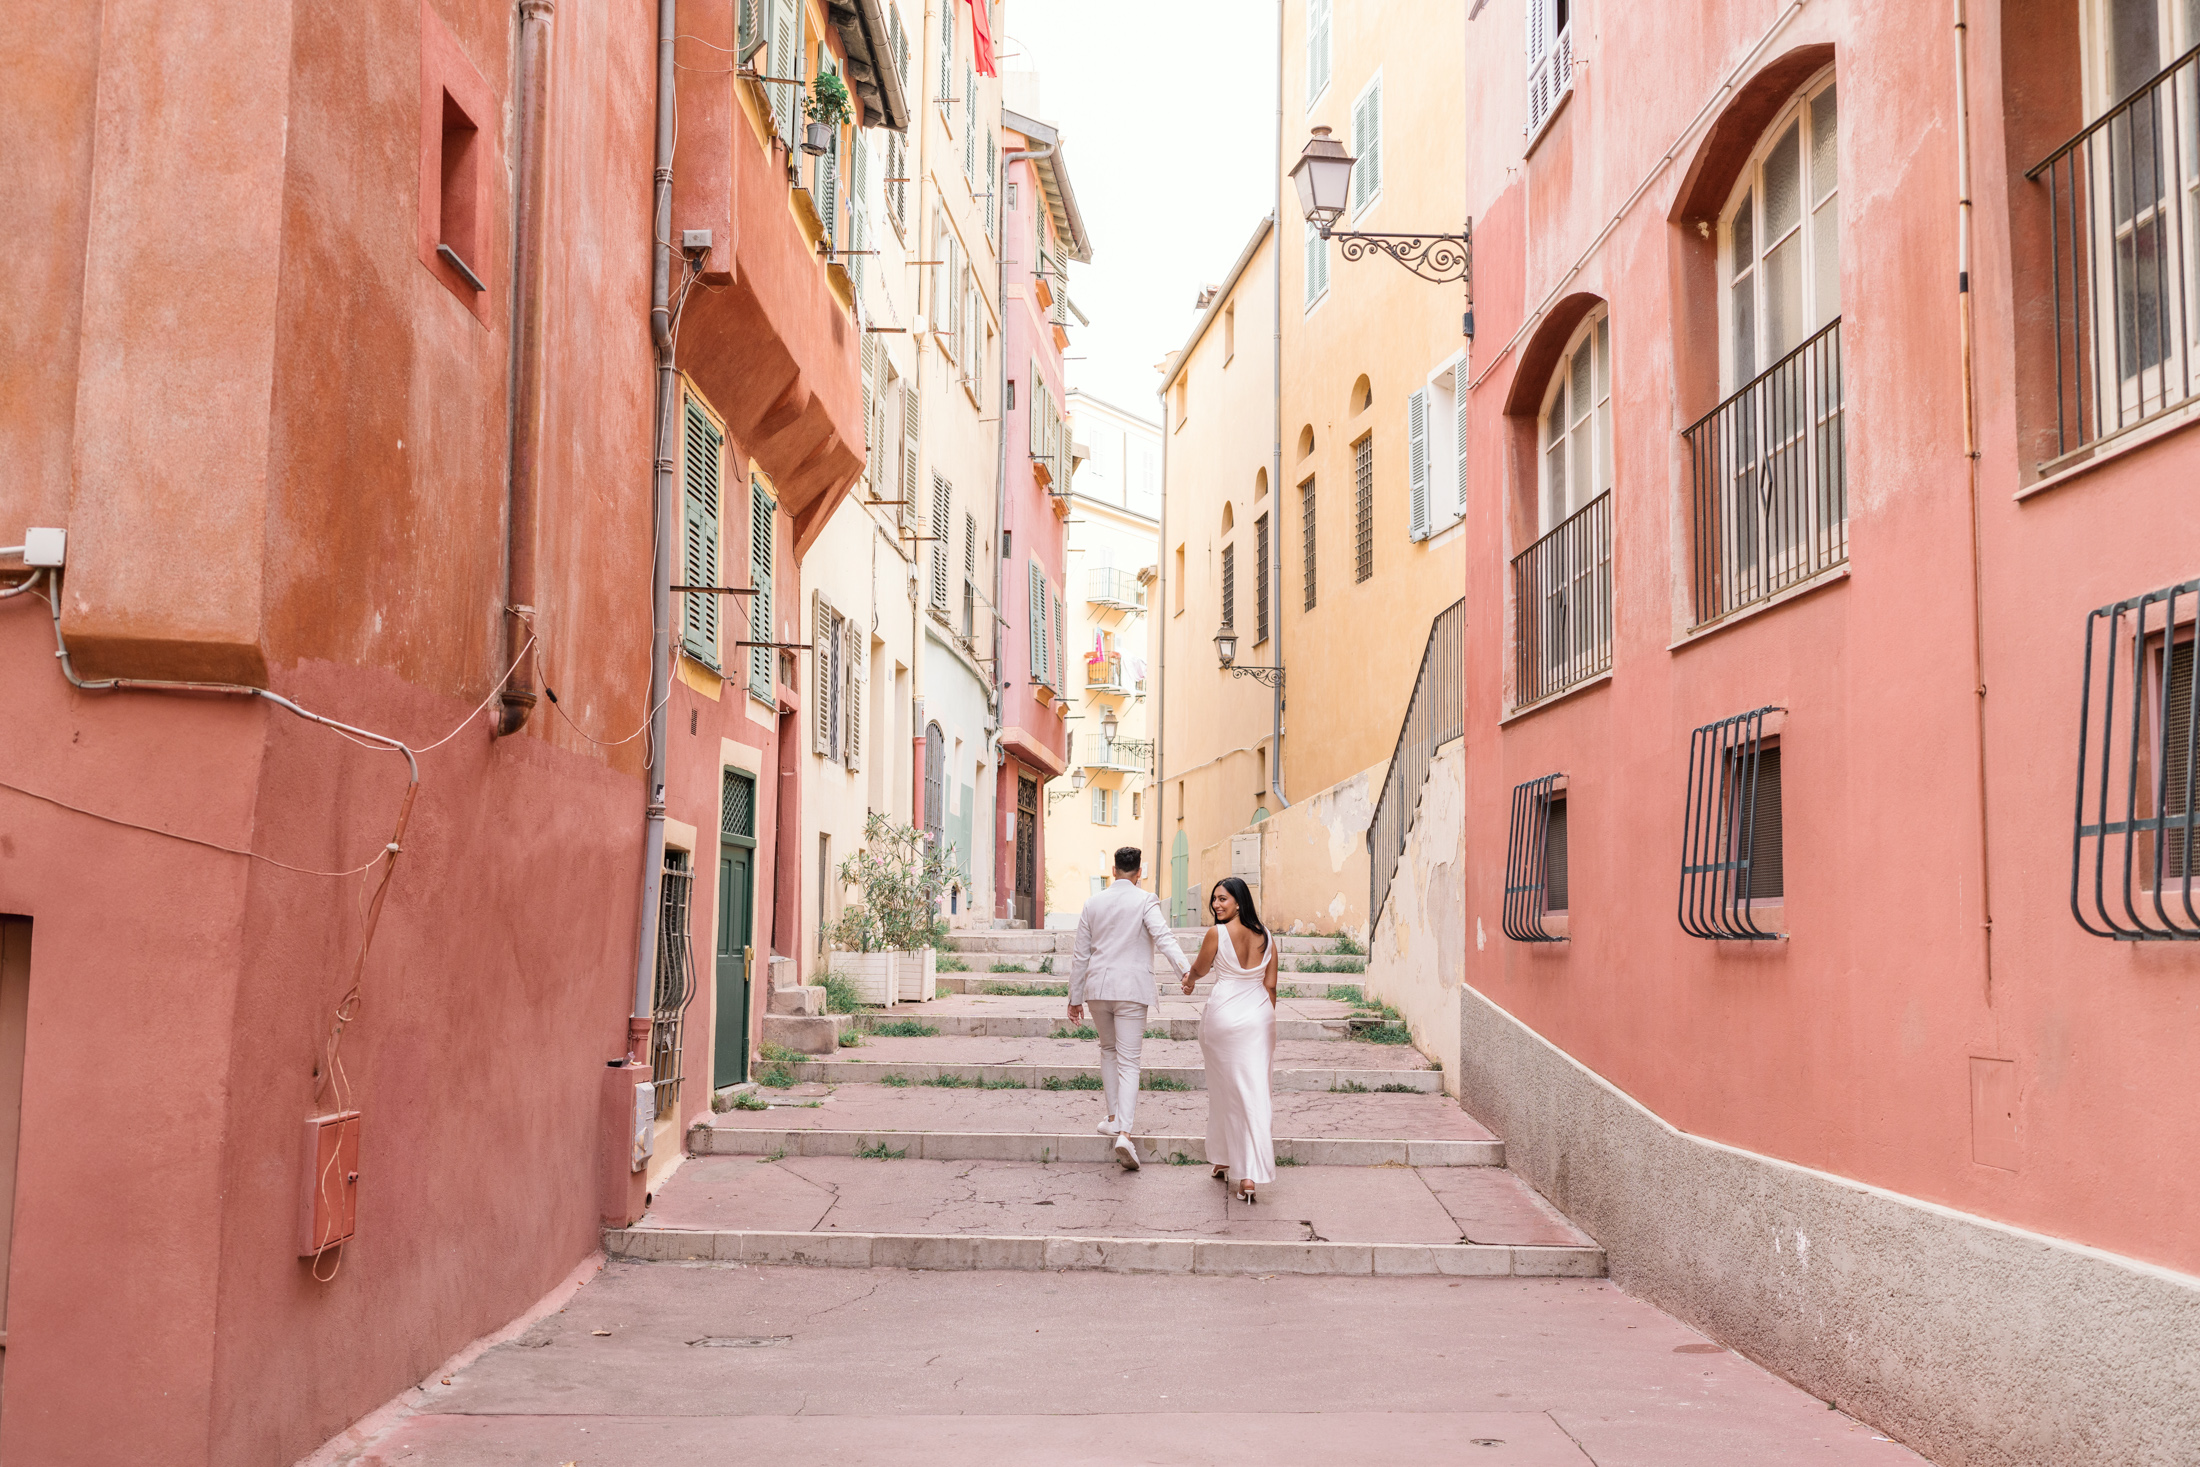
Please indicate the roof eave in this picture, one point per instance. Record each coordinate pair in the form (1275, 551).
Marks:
(870, 33)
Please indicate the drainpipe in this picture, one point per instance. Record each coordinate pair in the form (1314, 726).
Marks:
(1275, 473)
(1161, 667)
(523, 450)
(1971, 469)
(1000, 482)
(660, 588)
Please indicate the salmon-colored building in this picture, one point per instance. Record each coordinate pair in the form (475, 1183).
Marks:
(330, 346)
(1829, 423)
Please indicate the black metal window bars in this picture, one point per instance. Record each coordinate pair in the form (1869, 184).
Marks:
(1527, 860)
(1733, 785)
(1562, 599)
(675, 981)
(2132, 847)
(2123, 200)
(1436, 714)
(1771, 504)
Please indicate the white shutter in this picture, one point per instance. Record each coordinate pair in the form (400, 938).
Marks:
(947, 52)
(1550, 62)
(870, 373)
(1367, 145)
(1459, 430)
(821, 674)
(970, 124)
(1317, 48)
(1317, 265)
(851, 741)
(1035, 615)
(1417, 461)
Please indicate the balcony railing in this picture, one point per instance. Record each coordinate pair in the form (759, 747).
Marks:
(1104, 674)
(1771, 496)
(1435, 715)
(1562, 595)
(1107, 586)
(2123, 200)
(1129, 755)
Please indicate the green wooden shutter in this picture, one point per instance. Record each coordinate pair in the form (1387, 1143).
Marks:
(762, 536)
(699, 560)
(1035, 613)
(854, 658)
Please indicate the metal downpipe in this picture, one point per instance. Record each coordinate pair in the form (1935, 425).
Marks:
(523, 451)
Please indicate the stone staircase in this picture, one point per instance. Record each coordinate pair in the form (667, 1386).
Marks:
(1009, 960)
(959, 1134)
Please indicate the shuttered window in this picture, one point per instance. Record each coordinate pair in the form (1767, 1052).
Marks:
(1060, 667)
(1367, 146)
(762, 547)
(1317, 49)
(1550, 60)
(1260, 579)
(943, 519)
(853, 658)
(970, 125)
(1229, 587)
(897, 183)
(970, 577)
(1363, 508)
(1459, 431)
(947, 54)
(1317, 266)
(828, 190)
(992, 167)
(786, 60)
(1035, 604)
(702, 459)
(1767, 867)
(1417, 463)
(826, 673)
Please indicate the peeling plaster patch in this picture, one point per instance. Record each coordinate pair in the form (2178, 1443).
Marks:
(1481, 938)
(1346, 812)
(1336, 909)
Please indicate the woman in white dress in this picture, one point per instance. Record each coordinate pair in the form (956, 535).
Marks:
(1237, 1037)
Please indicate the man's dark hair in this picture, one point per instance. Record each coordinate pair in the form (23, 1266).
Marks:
(1128, 859)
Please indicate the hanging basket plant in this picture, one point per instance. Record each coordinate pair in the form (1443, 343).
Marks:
(828, 101)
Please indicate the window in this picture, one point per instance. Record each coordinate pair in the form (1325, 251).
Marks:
(943, 520)
(1260, 580)
(675, 980)
(1106, 807)
(458, 207)
(1138, 802)
(970, 577)
(1550, 61)
(1317, 49)
(992, 166)
(1367, 146)
(1732, 854)
(1562, 584)
(2124, 200)
(825, 173)
(1229, 587)
(1535, 860)
(762, 542)
(1770, 487)
(897, 180)
(1363, 508)
(1317, 266)
(947, 56)
(702, 461)
(1036, 614)
(1781, 242)
(1576, 436)
(1417, 464)
(2132, 853)
(1306, 538)
(786, 61)
(970, 126)
(1459, 435)
(828, 677)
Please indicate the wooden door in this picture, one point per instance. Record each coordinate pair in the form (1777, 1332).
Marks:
(1027, 850)
(736, 928)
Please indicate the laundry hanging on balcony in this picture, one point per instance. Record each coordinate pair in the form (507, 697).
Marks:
(981, 36)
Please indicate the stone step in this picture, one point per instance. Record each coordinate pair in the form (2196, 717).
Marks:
(1046, 1148)
(1312, 986)
(1224, 1256)
(1061, 942)
(803, 1033)
(806, 1000)
(1036, 1076)
(1038, 1026)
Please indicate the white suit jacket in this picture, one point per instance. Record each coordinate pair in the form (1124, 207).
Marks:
(1117, 935)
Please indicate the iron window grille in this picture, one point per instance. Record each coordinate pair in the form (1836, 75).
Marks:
(2123, 202)
(1435, 715)
(1306, 538)
(1260, 579)
(1363, 507)
(1562, 599)
(2132, 851)
(1731, 846)
(1229, 587)
(1535, 859)
(1771, 505)
(675, 981)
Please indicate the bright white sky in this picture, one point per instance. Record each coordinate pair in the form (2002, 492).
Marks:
(1167, 110)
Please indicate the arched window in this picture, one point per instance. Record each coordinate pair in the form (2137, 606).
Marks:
(1577, 422)
(935, 784)
(1780, 238)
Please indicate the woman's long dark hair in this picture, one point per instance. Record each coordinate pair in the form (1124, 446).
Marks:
(1243, 896)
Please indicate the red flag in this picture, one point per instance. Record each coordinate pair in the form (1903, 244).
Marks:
(981, 36)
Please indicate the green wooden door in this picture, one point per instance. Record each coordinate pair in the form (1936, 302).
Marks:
(736, 895)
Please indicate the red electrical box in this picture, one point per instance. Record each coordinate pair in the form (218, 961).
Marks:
(328, 1210)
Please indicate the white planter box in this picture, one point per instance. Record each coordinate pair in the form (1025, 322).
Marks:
(920, 981)
(873, 974)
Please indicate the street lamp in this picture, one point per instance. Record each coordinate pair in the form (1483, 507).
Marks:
(1226, 654)
(1077, 778)
(1324, 178)
(1108, 725)
(1226, 646)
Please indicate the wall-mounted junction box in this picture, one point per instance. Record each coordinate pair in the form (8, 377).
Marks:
(328, 1205)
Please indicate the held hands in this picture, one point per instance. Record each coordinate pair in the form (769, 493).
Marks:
(1189, 980)
(1077, 1013)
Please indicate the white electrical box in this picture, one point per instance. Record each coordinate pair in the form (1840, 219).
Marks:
(645, 1124)
(45, 547)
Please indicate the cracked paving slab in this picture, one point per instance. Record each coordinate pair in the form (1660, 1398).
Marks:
(853, 1107)
(916, 1367)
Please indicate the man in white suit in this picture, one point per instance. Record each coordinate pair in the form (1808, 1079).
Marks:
(1111, 970)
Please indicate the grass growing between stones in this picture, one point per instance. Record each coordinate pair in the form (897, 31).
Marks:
(1348, 1087)
(1349, 945)
(1384, 1034)
(1334, 965)
(905, 1029)
(949, 963)
(1178, 1158)
(877, 1151)
(1162, 1082)
(776, 1076)
(1394, 1088)
(779, 1054)
(1289, 1161)
(1157, 1033)
(1082, 1031)
(897, 1081)
(850, 1039)
(750, 1100)
(1024, 990)
(1343, 993)
(1008, 968)
(1074, 1082)
(840, 993)
(959, 1082)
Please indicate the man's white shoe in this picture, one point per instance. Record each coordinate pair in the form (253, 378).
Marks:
(1126, 1153)
(1110, 1127)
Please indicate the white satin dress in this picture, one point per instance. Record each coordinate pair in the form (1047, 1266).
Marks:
(1237, 1038)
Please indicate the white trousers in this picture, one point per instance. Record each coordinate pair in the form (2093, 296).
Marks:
(1122, 1027)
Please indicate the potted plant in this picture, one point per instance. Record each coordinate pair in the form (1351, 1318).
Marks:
(827, 108)
(901, 875)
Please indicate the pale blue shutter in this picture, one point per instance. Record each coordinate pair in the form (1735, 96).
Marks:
(761, 550)
(1317, 265)
(1035, 613)
(699, 557)
(1417, 461)
(1317, 48)
(1367, 145)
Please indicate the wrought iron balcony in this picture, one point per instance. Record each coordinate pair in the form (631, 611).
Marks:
(2123, 202)
(1771, 505)
(1119, 589)
(1105, 675)
(1562, 595)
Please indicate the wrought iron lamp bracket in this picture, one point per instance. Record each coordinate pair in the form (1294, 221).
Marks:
(1436, 258)
(1267, 677)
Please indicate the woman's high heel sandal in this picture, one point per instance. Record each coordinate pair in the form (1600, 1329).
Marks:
(1247, 1195)
(1222, 1174)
